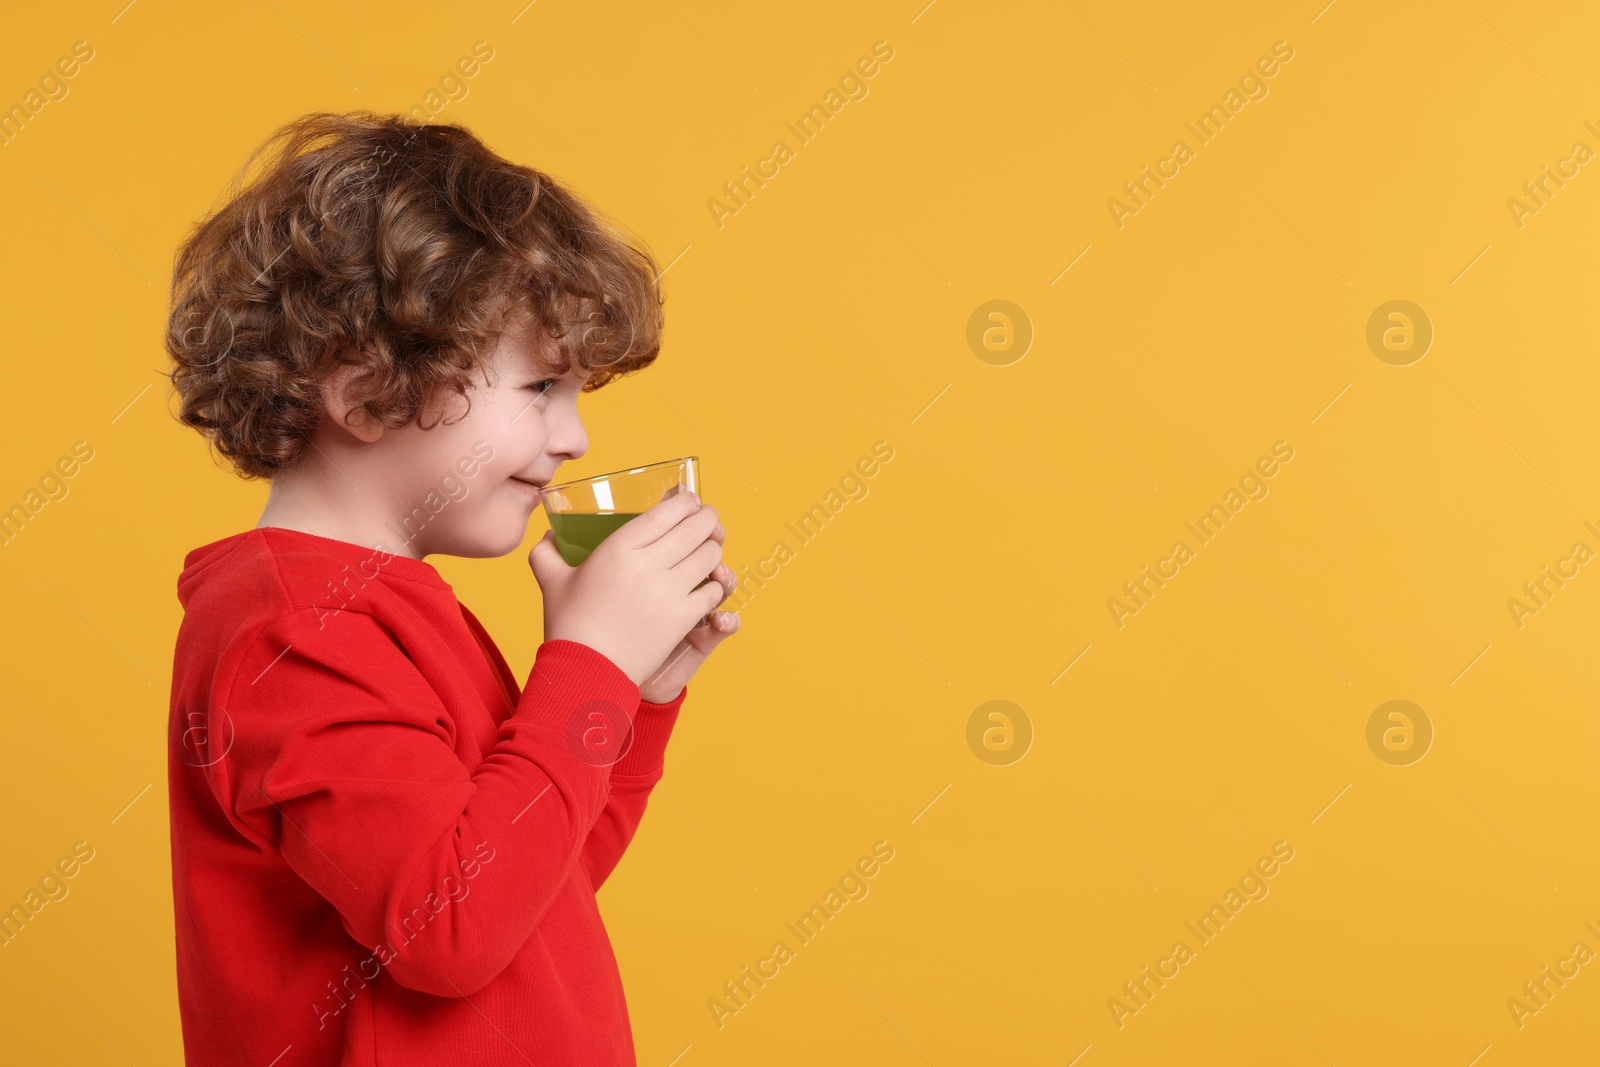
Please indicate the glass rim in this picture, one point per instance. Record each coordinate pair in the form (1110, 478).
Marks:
(613, 474)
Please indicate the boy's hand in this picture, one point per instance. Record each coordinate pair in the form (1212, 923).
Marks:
(634, 598)
(668, 680)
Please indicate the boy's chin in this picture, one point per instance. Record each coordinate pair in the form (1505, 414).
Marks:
(482, 544)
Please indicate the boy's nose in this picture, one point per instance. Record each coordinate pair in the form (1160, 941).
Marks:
(570, 439)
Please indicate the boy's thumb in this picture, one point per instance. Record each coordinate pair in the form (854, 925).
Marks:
(545, 559)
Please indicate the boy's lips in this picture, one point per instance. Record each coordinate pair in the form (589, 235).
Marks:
(537, 488)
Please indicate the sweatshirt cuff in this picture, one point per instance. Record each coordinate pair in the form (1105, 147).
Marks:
(652, 728)
(567, 675)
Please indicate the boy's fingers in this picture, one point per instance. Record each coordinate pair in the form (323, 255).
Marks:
(691, 532)
(645, 529)
(723, 625)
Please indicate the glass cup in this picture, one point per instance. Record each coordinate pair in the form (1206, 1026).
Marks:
(585, 512)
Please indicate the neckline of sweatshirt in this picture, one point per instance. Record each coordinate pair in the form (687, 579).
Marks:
(283, 538)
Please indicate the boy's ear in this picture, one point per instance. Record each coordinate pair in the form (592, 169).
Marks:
(341, 404)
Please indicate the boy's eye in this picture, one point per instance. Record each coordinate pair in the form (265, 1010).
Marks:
(545, 386)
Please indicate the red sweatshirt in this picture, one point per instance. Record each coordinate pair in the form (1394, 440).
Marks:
(383, 851)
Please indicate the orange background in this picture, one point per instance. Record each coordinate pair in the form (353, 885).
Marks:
(1042, 859)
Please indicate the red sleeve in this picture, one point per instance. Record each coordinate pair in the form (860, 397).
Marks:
(632, 778)
(343, 759)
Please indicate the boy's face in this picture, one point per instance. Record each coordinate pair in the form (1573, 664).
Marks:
(523, 425)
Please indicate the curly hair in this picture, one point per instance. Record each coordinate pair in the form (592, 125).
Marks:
(406, 247)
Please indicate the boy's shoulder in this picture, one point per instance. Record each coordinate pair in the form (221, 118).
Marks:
(264, 573)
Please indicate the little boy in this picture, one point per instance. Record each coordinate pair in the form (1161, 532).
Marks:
(385, 852)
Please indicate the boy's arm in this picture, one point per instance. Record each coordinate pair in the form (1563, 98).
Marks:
(632, 778)
(343, 760)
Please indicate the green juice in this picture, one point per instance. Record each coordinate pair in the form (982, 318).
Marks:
(577, 534)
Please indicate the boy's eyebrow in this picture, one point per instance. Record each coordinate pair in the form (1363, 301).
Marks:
(534, 363)
(532, 360)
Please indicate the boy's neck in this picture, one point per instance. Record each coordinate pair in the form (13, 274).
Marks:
(303, 501)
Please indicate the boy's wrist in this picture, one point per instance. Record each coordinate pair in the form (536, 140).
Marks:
(593, 643)
(650, 696)
(652, 728)
(571, 682)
